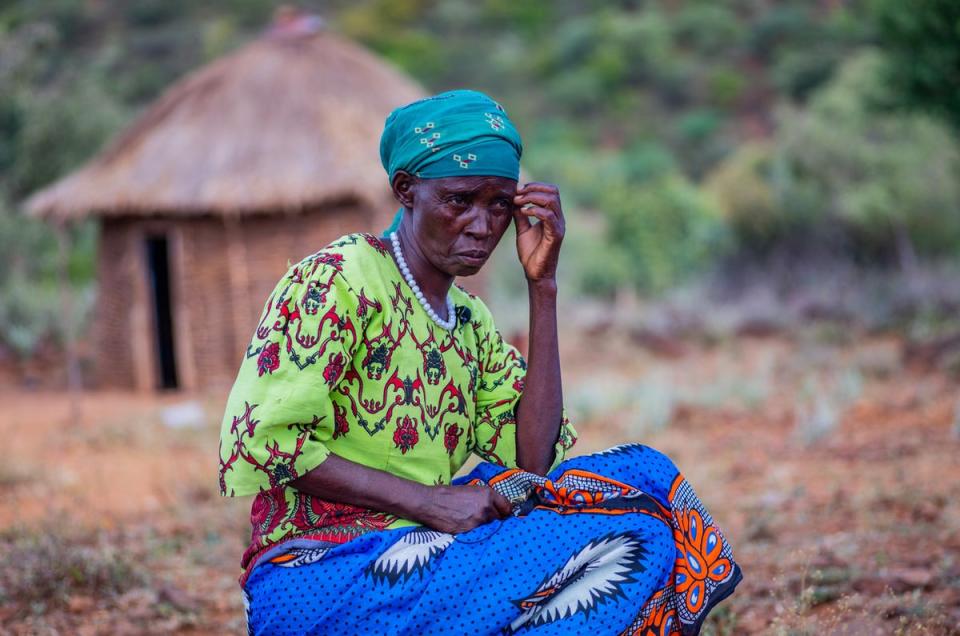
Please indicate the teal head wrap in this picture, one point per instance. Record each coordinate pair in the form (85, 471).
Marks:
(453, 134)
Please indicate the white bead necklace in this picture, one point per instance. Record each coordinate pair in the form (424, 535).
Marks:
(451, 320)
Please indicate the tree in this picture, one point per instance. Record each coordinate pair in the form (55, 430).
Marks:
(922, 41)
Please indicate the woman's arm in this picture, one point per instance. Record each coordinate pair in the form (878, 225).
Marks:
(446, 508)
(540, 408)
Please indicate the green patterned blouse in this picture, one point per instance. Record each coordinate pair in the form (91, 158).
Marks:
(344, 360)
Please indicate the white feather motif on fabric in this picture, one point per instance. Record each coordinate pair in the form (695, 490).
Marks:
(588, 578)
(410, 554)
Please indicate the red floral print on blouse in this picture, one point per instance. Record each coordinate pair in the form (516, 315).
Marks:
(334, 368)
(406, 436)
(451, 438)
(269, 359)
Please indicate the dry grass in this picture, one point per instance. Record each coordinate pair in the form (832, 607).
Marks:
(48, 566)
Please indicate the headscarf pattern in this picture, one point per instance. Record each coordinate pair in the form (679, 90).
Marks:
(456, 133)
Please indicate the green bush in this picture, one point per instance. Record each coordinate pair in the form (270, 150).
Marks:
(923, 54)
(881, 183)
(661, 231)
(31, 301)
(888, 178)
(741, 188)
(634, 221)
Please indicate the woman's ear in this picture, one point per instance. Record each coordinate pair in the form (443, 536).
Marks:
(403, 187)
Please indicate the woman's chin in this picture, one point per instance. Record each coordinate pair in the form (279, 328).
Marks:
(466, 273)
(465, 268)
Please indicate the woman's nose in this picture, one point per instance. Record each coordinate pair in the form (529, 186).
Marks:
(479, 225)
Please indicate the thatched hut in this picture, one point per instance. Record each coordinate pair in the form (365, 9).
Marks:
(257, 159)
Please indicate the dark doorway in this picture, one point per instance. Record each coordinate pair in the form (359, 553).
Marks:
(158, 271)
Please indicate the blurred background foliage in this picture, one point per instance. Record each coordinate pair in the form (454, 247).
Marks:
(691, 138)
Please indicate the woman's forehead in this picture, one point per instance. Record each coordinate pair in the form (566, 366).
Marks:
(503, 185)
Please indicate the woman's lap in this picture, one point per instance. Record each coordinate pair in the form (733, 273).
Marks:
(473, 589)
(562, 567)
(637, 465)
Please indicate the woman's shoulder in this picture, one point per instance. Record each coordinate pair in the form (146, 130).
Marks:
(341, 271)
(354, 256)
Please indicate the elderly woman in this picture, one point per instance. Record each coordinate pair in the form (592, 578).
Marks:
(370, 380)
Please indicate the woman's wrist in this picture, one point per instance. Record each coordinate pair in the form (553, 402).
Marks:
(406, 500)
(542, 286)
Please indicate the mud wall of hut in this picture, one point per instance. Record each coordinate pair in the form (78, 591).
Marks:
(221, 272)
(119, 272)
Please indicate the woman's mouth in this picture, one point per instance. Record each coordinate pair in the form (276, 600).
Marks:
(474, 257)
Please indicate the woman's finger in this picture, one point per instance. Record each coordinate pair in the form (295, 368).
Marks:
(522, 221)
(537, 186)
(545, 215)
(543, 199)
(538, 211)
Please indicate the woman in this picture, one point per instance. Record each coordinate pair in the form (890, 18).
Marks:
(372, 377)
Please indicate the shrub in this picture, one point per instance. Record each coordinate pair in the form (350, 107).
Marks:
(847, 172)
(664, 230)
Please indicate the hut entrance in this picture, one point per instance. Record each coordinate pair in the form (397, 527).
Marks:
(158, 271)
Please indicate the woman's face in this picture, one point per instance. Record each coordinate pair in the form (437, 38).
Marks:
(457, 222)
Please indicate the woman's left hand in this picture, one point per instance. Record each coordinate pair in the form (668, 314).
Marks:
(538, 246)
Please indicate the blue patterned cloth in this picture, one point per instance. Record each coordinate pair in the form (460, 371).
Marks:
(610, 543)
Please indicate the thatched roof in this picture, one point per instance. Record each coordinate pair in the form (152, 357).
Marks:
(291, 120)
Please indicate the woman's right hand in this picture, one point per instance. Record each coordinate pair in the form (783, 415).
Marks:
(457, 509)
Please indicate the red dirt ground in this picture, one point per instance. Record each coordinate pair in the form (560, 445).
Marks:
(843, 523)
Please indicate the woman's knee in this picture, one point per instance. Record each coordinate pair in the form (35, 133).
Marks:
(633, 464)
(655, 472)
